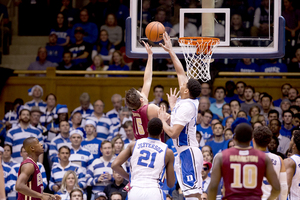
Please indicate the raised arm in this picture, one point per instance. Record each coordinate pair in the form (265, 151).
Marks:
(148, 71)
(182, 78)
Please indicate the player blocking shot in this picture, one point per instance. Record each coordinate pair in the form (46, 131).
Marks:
(243, 169)
(150, 159)
(261, 138)
(142, 112)
(30, 182)
(189, 162)
(292, 165)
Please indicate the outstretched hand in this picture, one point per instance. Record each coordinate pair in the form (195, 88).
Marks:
(172, 97)
(148, 48)
(162, 114)
(47, 196)
(168, 44)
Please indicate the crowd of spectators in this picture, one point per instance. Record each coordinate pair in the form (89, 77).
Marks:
(81, 145)
(77, 36)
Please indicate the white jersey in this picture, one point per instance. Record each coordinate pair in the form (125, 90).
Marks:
(185, 114)
(266, 187)
(295, 189)
(147, 163)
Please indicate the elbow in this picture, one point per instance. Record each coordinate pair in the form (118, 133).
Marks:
(18, 187)
(171, 183)
(113, 166)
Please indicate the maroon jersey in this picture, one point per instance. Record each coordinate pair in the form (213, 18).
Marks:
(243, 171)
(35, 181)
(140, 122)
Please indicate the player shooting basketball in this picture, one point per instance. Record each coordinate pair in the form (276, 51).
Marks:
(30, 182)
(138, 101)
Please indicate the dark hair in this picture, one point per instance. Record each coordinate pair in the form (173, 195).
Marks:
(56, 121)
(155, 127)
(114, 193)
(133, 99)
(206, 111)
(279, 123)
(276, 140)
(63, 121)
(194, 88)
(243, 132)
(210, 149)
(262, 136)
(236, 101)
(52, 95)
(219, 124)
(297, 139)
(243, 112)
(166, 102)
(296, 128)
(220, 88)
(286, 84)
(257, 122)
(252, 109)
(76, 190)
(231, 140)
(8, 145)
(226, 104)
(67, 52)
(127, 124)
(230, 83)
(295, 107)
(18, 101)
(242, 83)
(158, 86)
(273, 111)
(297, 115)
(250, 87)
(64, 147)
(268, 96)
(287, 111)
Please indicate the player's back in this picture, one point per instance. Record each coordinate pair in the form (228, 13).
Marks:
(243, 171)
(266, 187)
(147, 162)
(295, 189)
(35, 181)
(140, 122)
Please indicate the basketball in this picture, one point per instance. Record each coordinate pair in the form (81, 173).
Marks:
(154, 31)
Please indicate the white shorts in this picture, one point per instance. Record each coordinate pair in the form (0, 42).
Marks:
(137, 193)
(188, 167)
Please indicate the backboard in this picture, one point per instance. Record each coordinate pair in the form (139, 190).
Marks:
(245, 31)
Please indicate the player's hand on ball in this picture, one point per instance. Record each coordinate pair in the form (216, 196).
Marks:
(168, 44)
(148, 48)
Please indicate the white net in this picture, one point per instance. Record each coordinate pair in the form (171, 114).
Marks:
(197, 54)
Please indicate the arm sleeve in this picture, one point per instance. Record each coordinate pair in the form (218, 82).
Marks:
(52, 151)
(44, 176)
(51, 181)
(81, 178)
(256, 17)
(9, 138)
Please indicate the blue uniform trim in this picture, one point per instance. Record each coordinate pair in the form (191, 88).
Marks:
(189, 177)
(295, 167)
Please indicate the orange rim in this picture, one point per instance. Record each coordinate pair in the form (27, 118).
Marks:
(204, 41)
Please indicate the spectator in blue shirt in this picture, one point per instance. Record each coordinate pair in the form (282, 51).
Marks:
(54, 51)
(216, 107)
(284, 92)
(204, 127)
(286, 128)
(240, 88)
(61, 30)
(11, 117)
(117, 64)
(36, 92)
(218, 140)
(230, 88)
(273, 67)
(90, 29)
(91, 142)
(245, 65)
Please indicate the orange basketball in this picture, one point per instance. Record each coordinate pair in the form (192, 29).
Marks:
(154, 31)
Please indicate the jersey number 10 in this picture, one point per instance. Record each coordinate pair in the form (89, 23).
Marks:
(249, 176)
(144, 160)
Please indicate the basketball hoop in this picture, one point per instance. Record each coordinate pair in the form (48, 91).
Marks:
(197, 53)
